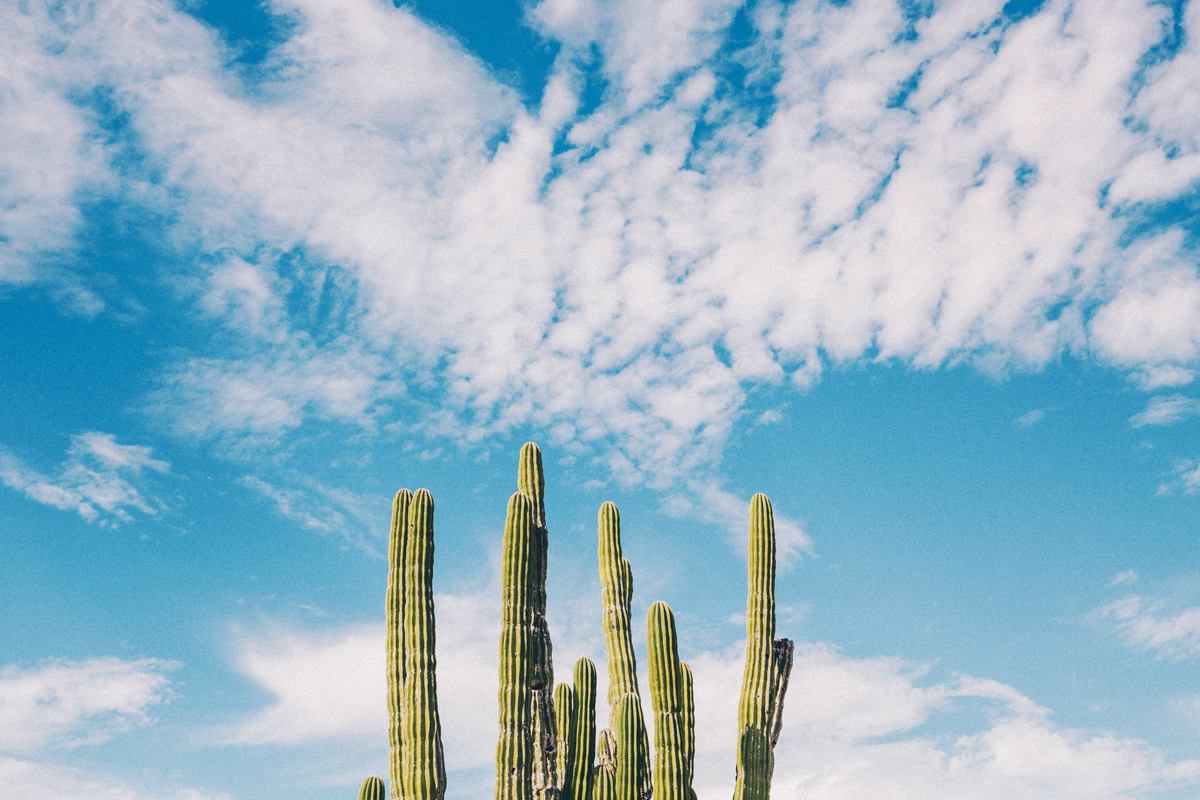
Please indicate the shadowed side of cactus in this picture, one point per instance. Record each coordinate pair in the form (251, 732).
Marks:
(531, 481)
(397, 553)
(616, 588)
(514, 750)
(372, 789)
(584, 752)
(424, 764)
(667, 701)
(768, 663)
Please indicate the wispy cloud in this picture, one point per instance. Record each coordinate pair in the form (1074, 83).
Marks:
(1165, 411)
(1030, 419)
(21, 780)
(72, 703)
(323, 508)
(96, 481)
(1149, 625)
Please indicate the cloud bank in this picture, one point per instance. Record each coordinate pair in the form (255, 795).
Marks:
(744, 197)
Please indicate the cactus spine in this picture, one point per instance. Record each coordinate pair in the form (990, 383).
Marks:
(371, 789)
(671, 767)
(514, 750)
(616, 586)
(768, 663)
(584, 752)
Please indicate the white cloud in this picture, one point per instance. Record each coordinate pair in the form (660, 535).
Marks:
(1149, 625)
(923, 192)
(96, 480)
(1031, 419)
(1126, 578)
(1165, 411)
(1162, 376)
(22, 780)
(323, 508)
(71, 703)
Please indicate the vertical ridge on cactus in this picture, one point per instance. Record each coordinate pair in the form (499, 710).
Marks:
(531, 481)
(514, 750)
(764, 681)
(372, 789)
(397, 545)
(584, 752)
(424, 764)
(666, 701)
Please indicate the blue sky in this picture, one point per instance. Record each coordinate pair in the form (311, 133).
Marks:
(927, 274)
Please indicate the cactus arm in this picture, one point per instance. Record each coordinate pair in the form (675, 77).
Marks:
(781, 670)
(372, 789)
(584, 752)
(397, 546)
(425, 771)
(514, 750)
(666, 700)
(755, 723)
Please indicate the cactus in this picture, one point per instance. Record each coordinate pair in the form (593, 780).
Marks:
(689, 722)
(584, 751)
(631, 730)
(531, 481)
(671, 759)
(564, 732)
(514, 750)
(768, 663)
(397, 544)
(372, 789)
(616, 585)
(424, 764)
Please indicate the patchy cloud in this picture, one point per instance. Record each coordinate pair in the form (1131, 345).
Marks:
(73, 703)
(1165, 411)
(96, 481)
(1149, 625)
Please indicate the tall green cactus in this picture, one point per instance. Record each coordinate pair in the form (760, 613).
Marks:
(372, 789)
(768, 663)
(584, 751)
(532, 482)
(396, 665)
(424, 764)
(616, 588)
(689, 723)
(417, 768)
(514, 750)
(671, 757)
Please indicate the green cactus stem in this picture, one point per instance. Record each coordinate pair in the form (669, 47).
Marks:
(424, 763)
(667, 701)
(631, 730)
(584, 752)
(768, 663)
(397, 545)
(532, 482)
(565, 712)
(514, 750)
(689, 721)
(372, 789)
(616, 586)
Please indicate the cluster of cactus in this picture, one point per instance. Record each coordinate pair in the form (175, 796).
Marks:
(549, 747)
